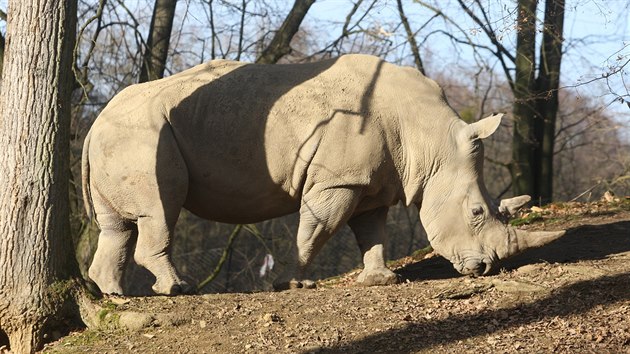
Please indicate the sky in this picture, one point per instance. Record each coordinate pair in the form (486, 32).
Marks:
(597, 33)
(597, 36)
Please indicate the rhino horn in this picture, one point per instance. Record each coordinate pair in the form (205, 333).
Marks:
(522, 240)
(510, 206)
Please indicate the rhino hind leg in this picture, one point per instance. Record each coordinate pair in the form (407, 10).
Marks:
(369, 230)
(112, 252)
(322, 213)
(153, 253)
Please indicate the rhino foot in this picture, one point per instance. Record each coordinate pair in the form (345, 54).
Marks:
(111, 288)
(378, 276)
(178, 288)
(294, 284)
(107, 283)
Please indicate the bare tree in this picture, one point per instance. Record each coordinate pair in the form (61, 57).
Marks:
(535, 88)
(523, 85)
(36, 264)
(156, 51)
(3, 17)
(547, 86)
(280, 44)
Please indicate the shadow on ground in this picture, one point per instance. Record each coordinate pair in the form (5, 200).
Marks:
(423, 334)
(580, 243)
(587, 242)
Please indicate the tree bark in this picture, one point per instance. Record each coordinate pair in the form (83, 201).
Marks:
(3, 17)
(536, 100)
(548, 83)
(523, 109)
(156, 52)
(2, 44)
(36, 254)
(280, 44)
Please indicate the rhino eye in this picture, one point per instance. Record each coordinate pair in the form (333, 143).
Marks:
(477, 211)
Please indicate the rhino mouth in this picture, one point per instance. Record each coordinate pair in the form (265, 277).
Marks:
(473, 267)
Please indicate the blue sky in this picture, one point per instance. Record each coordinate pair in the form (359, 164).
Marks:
(597, 33)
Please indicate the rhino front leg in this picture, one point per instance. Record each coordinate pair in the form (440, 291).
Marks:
(322, 213)
(369, 230)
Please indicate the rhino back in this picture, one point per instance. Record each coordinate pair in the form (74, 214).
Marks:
(264, 134)
(254, 137)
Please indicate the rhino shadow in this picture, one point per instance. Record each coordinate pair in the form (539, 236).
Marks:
(423, 334)
(433, 268)
(220, 97)
(585, 242)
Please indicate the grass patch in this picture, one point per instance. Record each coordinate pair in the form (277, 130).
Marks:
(527, 219)
(421, 253)
(623, 204)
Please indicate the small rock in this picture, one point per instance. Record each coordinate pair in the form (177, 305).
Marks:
(170, 319)
(512, 286)
(135, 320)
(528, 268)
(609, 197)
(271, 317)
(119, 301)
(149, 335)
(202, 324)
(584, 270)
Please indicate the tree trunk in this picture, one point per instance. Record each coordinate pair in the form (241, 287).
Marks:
(280, 44)
(36, 254)
(2, 43)
(524, 109)
(3, 17)
(156, 52)
(548, 83)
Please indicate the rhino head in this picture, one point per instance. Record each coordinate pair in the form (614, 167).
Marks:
(462, 221)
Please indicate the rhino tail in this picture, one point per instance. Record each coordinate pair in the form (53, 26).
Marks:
(85, 176)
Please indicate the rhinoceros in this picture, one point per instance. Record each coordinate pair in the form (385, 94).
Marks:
(339, 141)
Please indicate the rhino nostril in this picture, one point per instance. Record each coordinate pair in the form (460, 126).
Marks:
(489, 267)
(476, 269)
(485, 268)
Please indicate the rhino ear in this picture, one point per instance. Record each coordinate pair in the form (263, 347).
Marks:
(485, 127)
(510, 206)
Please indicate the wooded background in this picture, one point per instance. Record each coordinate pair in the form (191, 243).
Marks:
(559, 143)
(567, 136)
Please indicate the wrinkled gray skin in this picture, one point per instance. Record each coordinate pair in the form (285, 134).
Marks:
(340, 141)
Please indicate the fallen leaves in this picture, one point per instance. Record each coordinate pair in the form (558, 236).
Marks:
(577, 306)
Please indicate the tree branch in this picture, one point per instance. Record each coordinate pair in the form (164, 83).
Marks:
(280, 44)
(410, 38)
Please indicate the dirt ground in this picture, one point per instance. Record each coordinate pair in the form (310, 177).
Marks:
(572, 296)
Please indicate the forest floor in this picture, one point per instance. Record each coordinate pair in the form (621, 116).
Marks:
(572, 296)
